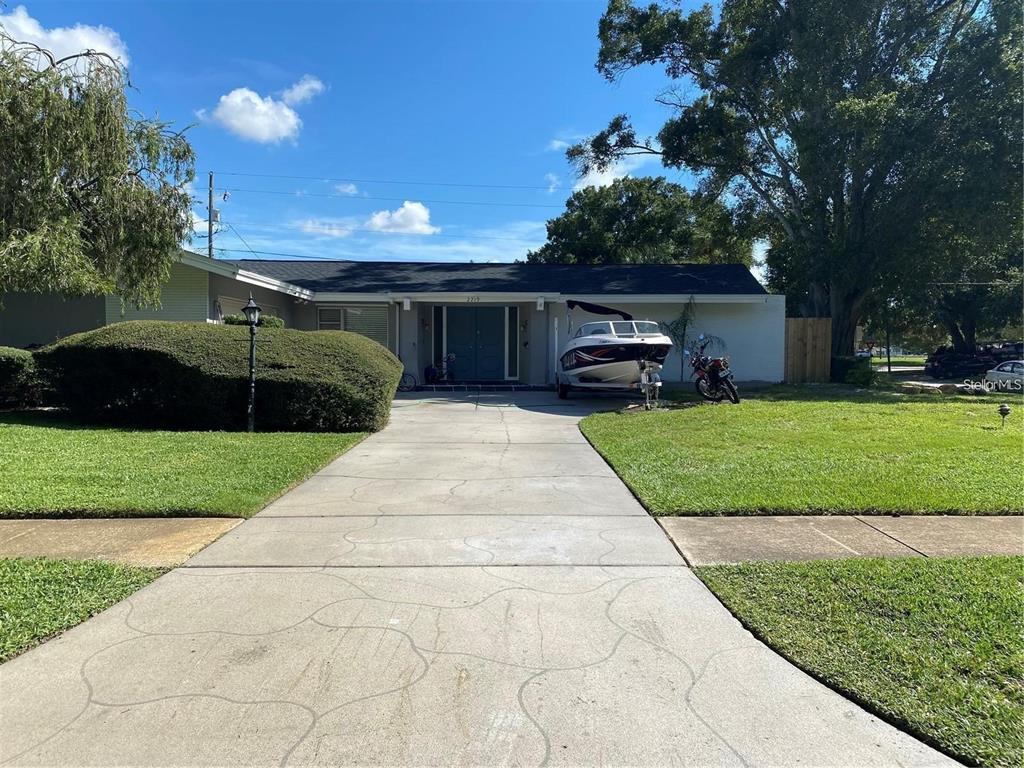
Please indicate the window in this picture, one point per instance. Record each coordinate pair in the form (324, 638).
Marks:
(596, 329)
(329, 319)
(370, 320)
(623, 328)
(1018, 368)
(647, 328)
(232, 306)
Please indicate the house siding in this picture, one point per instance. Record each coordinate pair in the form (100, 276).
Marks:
(28, 319)
(182, 298)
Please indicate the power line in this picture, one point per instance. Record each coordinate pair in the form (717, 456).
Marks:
(239, 236)
(299, 193)
(546, 187)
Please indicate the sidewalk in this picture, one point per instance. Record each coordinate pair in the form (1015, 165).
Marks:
(140, 541)
(718, 540)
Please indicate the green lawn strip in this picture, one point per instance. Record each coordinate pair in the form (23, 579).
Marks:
(51, 468)
(899, 360)
(932, 645)
(40, 598)
(819, 450)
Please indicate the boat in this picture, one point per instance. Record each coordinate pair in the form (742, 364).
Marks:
(624, 354)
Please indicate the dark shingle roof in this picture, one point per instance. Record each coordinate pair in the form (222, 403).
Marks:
(566, 279)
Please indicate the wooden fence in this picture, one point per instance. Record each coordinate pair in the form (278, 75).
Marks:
(808, 349)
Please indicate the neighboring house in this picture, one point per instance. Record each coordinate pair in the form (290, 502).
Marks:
(503, 322)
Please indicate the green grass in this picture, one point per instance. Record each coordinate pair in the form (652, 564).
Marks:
(899, 360)
(40, 598)
(819, 450)
(51, 468)
(933, 646)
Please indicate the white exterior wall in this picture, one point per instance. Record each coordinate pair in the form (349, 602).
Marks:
(754, 332)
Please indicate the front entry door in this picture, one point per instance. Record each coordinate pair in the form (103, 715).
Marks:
(476, 336)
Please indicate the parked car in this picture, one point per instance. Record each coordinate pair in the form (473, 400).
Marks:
(947, 363)
(1008, 375)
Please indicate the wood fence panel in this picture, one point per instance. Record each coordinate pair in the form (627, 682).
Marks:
(808, 349)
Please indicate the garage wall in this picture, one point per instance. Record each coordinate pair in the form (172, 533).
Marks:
(754, 334)
(39, 318)
(182, 298)
(288, 308)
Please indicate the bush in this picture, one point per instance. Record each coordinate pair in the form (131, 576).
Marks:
(17, 377)
(195, 376)
(266, 321)
(855, 371)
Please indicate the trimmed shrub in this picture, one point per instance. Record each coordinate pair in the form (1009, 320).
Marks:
(855, 371)
(195, 376)
(17, 377)
(266, 321)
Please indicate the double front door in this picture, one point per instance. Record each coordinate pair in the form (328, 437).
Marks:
(476, 336)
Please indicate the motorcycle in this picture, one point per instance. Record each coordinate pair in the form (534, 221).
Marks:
(714, 379)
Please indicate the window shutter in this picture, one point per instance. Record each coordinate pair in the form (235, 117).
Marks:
(371, 322)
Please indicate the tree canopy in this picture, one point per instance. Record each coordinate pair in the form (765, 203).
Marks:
(642, 220)
(93, 197)
(859, 132)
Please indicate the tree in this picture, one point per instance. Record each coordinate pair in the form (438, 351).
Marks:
(93, 198)
(642, 220)
(831, 119)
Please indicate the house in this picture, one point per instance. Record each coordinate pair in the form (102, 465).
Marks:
(503, 322)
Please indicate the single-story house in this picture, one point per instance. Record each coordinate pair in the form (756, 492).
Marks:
(504, 322)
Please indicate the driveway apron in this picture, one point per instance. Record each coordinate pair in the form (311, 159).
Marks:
(471, 586)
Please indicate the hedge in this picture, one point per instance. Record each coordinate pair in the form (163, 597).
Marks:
(195, 376)
(855, 371)
(266, 321)
(17, 377)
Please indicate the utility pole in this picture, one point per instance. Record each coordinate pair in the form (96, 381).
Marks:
(209, 220)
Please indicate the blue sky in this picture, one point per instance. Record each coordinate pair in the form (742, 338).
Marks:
(353, 95)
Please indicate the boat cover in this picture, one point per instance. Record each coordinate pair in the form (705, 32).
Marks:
(597, 309)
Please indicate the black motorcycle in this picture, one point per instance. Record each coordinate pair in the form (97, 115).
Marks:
(714, 379)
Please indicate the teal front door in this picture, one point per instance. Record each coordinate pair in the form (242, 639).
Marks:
(476, 336)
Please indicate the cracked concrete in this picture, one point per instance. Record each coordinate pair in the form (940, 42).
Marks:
(513, 607)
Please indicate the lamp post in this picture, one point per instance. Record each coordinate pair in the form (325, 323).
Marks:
(252, 316)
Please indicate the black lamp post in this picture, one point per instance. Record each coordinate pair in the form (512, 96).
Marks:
(252, 316)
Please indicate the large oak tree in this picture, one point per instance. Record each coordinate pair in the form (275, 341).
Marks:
(849, 126)
(642, 220)
(93, 197)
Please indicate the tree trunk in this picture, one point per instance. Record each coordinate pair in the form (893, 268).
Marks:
(844, 333)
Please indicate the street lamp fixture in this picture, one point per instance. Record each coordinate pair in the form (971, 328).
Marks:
(252, 316)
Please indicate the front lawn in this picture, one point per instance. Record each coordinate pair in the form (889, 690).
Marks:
(40, 598)
(933, 646)
(899, 360)
(819, 450)
(51, 468)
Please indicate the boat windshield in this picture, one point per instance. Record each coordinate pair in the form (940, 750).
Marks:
(622, 328)
(594, 329)
(647, 328)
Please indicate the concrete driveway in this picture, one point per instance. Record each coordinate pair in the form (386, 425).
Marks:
(471, 586)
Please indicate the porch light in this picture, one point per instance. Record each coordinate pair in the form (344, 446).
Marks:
(406, 304)
(540, 303)
(251, 312)
(252, 316)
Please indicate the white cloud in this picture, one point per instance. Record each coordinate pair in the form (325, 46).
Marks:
(326, 227)
(553, 182)
(557, 145)
(346, 189)
(410, 219)
(305, 89)
(619, 170)
(264, 119)
(250, 116)
(64, 41)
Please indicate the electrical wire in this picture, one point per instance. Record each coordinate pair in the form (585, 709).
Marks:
(546, 187)
(300, 193)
